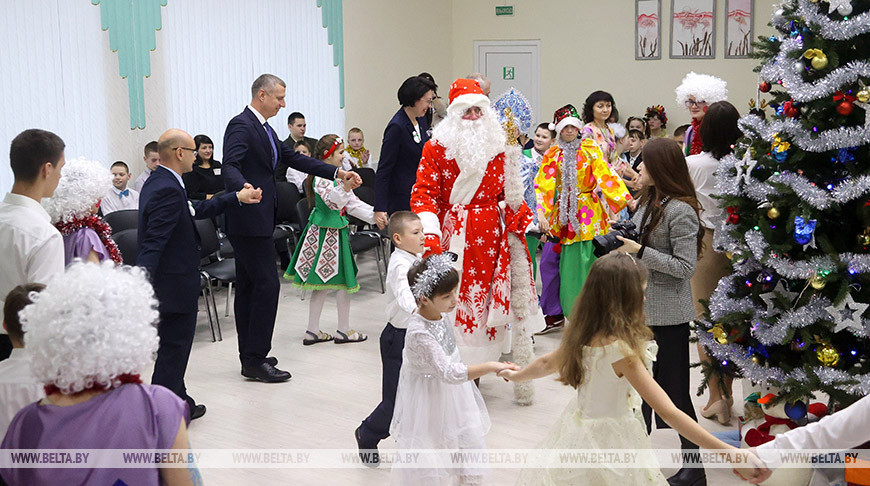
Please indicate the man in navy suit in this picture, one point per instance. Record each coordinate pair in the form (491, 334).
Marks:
(169, 250)
(252, 150)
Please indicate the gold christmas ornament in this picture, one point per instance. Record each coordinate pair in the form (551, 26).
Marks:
(756, 360)
(863, 95)
(817, 281)
(773, 213)
(729, 255)
(864, 239)
(820, 62)
(719, 334)
(827, 355)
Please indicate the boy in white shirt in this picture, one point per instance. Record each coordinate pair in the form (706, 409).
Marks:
(31, 246)
(18, 386)
(119, 196)
(406, 230)
(293, 176)
(152, 160)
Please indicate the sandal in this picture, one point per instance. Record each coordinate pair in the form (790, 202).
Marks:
(320, 337)
(351, 337)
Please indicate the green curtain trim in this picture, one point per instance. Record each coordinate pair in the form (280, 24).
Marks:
(333, 23)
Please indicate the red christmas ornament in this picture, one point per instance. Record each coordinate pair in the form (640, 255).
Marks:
(790, 110)
(844, 103)
(764, 87)
(845, 108)
(733, 217)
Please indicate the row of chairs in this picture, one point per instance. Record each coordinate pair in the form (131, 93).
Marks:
(213, 265)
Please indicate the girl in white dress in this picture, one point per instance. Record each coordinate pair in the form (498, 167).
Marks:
(437, 406)
(606, 354)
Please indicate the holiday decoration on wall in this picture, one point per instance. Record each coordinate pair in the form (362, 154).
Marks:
(648, 29)
(796, 193)
(693, 29)
(739, 23)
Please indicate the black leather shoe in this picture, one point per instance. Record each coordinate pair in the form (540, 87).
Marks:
(271, 360)
(368, 455)
(197, 412)
(689, 476)
(265, 372)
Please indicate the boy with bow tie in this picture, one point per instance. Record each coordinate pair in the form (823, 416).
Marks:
(120, 196)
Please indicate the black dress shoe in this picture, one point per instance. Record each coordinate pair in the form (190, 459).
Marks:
(271, 360)
(264, 372)
(689, 476)
(368, 455)
(197, 412)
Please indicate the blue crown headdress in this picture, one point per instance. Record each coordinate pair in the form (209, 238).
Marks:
(519, 108)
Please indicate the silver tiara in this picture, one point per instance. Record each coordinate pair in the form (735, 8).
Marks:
(437, 267)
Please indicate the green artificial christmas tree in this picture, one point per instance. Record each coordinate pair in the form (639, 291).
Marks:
(794, 312)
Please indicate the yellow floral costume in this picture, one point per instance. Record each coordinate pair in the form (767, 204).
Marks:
(575, 230)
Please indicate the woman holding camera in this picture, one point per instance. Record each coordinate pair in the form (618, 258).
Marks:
(667, 218)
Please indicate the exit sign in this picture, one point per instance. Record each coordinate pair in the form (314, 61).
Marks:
(504, 10)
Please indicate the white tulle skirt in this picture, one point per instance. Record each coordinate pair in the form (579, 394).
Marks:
(431, 414)
(574, 431)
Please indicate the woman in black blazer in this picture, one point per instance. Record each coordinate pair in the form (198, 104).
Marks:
(403, 143)
(205, 180)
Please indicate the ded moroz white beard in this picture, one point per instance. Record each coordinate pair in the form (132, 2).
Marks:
(472, 143)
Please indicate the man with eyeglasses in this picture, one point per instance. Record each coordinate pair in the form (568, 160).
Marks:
(169, 250)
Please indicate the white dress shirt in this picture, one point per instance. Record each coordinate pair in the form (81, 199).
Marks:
(401, 302)
(113, 201)
(701, 169)
(845, 429)
(140, 181)
(32, 248)
(18, 386)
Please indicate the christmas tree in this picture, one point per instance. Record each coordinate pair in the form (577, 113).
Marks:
(797, 194)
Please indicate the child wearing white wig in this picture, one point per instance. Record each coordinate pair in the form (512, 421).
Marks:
(90, 334)
(73, 210)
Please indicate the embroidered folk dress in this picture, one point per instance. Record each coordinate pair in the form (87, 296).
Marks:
(323, 260)
(436, 406)
(604, 416)
(466, 210)
(593, 173)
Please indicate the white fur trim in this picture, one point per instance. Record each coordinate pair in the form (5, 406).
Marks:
(552, 126)
(431, 225)
(568, 120)
(703, 87)
(466, 101)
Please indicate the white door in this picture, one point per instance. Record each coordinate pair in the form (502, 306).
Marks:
(512, 64)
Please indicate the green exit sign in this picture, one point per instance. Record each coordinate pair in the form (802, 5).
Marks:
(504, 10)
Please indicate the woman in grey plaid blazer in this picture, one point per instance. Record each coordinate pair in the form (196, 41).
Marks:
(667, 217)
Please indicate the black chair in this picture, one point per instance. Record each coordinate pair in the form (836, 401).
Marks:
(303, 210)
(213, 266)
(122, 220)
(367, 174)
(288, 227)
(128, 244)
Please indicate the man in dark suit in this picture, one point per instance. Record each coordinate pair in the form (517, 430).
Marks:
(169, 250)
(252, 151)
(297, 126)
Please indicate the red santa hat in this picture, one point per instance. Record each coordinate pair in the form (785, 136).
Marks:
(564, 116)
(464, 94)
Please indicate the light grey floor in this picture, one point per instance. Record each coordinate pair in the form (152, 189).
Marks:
(335, 386)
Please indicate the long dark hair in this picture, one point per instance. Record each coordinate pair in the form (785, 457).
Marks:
(199, 140)
(320, 148)
(667, 167)
(719, 130)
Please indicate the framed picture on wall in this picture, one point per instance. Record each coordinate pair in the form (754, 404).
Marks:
(693, 29)
(739, 28)
(647, 29)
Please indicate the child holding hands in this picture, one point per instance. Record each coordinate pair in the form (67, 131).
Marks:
(606, 354)
(323, 261)
(437, 406)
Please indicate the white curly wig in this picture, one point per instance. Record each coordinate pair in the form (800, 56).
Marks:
(82, 183)
(91, 325)
(703, 87)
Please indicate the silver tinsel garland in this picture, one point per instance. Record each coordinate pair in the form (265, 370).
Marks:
(782, 69)
(804, 316)
(793, 269)
(833, 29)
(813, 195)
(837, 138)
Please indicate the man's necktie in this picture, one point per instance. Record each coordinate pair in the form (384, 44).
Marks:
(272, 141)
(125, 192)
